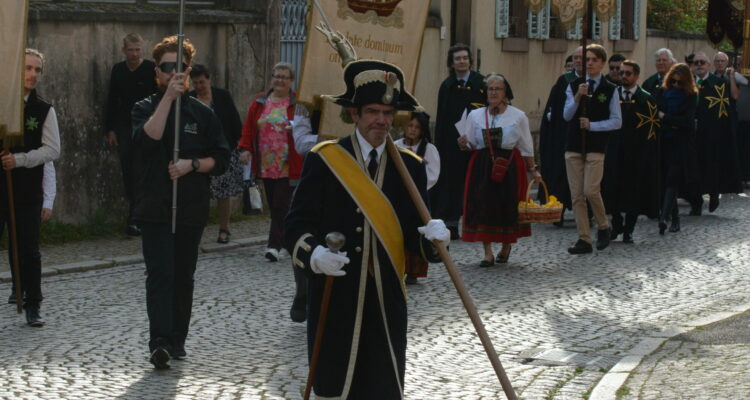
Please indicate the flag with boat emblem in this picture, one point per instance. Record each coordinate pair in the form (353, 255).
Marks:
(385, 30)
(12, 45)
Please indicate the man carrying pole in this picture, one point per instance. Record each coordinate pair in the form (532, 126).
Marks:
(171, 257)
(352, 186)
(23, 164)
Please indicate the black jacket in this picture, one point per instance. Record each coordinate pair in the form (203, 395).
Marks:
(200, 137)
(225, 109)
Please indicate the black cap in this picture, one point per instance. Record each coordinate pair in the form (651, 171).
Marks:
(375, 82)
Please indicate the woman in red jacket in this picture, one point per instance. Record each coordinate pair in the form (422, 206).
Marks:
(268, 143)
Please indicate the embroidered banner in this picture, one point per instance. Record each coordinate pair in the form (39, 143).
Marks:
(13, 15)
(386, 30)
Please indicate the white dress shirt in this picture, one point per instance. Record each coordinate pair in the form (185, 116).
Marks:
(431, 160)
(515, 127)
(49, 185)
(366, 147)
(615, 114)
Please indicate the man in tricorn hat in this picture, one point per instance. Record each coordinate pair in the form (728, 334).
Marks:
(352, 186)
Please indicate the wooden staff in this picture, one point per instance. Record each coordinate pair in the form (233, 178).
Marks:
(14, 241)
(466, 298)
(177, 112)
(585, 99)
(335, 241)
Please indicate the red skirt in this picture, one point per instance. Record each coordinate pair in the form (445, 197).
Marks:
(416, 266)
(490, 212)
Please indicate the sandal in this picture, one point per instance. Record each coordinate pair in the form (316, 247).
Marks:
(503, 259)
(223, 236)
(486, 263)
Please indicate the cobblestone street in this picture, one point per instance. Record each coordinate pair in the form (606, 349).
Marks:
(559, 322)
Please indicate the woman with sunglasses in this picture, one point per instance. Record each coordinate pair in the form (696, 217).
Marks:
(677, 104)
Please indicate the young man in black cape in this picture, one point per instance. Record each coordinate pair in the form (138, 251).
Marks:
(716, 155)
(553, 135)
(462, 91)
(631, 164)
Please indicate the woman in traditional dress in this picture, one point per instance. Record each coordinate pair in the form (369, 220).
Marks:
(229, 184)
(491, 207)
(677, 104)
(417, 139)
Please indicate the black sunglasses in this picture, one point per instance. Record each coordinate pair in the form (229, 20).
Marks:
(626, 73)
(700, 62)
(614, 67)
(169, 66)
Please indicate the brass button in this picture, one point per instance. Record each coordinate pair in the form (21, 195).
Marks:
(359, 211)
(359, 229)
(358, 249)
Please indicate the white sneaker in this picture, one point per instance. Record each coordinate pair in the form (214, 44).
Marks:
(272, 254)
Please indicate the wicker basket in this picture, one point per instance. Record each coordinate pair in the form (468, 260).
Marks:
(528, 215)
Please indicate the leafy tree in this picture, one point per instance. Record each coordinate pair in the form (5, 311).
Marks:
(677, 15)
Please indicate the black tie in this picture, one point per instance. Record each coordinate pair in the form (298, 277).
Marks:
(372, 166)
(592, 85)
(627, 95)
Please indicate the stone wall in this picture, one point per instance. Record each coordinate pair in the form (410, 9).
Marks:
(82, 43)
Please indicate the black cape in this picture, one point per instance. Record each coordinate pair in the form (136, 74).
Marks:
(552, 136)
(716, 144)
(631, 166)
(446, 196)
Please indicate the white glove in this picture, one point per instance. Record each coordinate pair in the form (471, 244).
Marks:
(324, 261)
(436, 230)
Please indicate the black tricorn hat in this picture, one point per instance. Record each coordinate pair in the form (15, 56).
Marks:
(375, 82)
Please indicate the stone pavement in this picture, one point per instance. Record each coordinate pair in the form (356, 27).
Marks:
(559, 322)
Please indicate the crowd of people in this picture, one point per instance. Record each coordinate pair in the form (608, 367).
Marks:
(608, 147)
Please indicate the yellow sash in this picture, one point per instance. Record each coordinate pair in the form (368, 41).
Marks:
(376, 208)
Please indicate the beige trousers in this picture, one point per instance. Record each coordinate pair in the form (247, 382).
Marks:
(584, 179)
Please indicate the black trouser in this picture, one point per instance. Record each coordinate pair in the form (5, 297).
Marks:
(125, 152)
(170, 264)
(630, 220)
(28, 222)
(279, 196)
(300, 289)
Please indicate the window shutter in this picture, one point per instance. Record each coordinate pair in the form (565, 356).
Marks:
(615, 22)
(596, 27)
(636, 19)
(502, 10)
(539, 23)
(576, 32)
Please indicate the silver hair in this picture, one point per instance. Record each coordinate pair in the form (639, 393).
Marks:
(666, 51)
(493, 77)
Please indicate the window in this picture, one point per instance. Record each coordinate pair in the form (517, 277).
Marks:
(511, 19)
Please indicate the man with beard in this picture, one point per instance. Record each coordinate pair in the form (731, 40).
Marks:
(25, 162)
(131, 81)
(663, 59)
(552, 136)
(631, 164)
(716, 155)
(171, 257)
(462, 91)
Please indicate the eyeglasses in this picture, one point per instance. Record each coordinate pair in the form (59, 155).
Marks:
(614, 67)
(626, 73)
(281, 77)
(700, 62)
(169, 66)
(675, 82)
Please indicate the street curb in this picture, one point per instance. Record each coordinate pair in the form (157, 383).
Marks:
(606, 388)
(90, 265)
